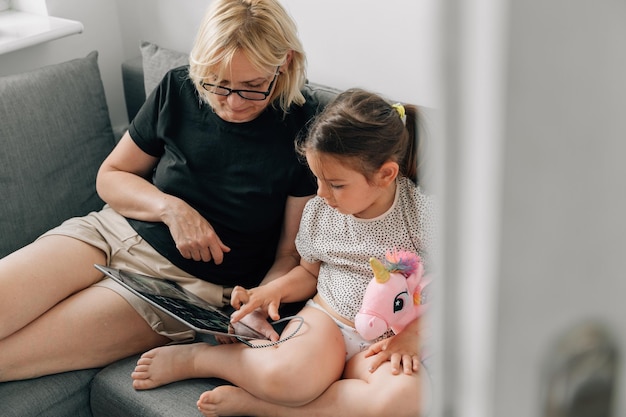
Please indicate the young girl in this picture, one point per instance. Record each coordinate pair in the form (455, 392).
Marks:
(363, 152)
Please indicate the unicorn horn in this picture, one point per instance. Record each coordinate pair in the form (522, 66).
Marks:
(380, 272)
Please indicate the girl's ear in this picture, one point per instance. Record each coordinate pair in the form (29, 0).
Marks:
(388, 173)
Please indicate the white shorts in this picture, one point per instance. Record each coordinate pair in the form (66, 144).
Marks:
(352, 339)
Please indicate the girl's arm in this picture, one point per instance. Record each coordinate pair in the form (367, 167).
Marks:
(286, 270)
(298, 284)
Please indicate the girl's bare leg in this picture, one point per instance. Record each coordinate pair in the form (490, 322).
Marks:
(51, 320)
(292, 373)
(358, 394)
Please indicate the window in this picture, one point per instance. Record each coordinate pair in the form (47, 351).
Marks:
(26, 22)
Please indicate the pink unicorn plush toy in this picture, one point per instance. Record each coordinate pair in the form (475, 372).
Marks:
(394, 297)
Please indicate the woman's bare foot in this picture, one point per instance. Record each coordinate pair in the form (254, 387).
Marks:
(228, 400)
(165, 365)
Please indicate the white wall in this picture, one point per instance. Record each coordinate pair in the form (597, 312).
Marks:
(385, 46)
(171, 24)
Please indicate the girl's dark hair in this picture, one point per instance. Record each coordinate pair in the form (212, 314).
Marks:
(366, 131)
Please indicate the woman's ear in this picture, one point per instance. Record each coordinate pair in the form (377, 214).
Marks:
(285, 65)
(388, 173)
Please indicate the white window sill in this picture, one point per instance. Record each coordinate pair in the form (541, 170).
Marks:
(21, 29)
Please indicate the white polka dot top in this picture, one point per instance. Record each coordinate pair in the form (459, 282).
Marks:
(343, 243)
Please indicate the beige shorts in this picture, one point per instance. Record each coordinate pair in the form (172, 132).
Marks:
(125, 249)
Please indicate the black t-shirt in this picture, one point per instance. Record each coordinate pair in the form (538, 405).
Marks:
(237, 175)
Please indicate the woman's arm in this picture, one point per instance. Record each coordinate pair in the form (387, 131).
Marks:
(123, 181)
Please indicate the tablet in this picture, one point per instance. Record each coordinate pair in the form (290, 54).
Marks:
(183, 305)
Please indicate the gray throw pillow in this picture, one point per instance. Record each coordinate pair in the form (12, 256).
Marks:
(55, 132)
(157, 61)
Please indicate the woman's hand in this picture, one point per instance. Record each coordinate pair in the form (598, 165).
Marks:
(194, 236)
(401, 350)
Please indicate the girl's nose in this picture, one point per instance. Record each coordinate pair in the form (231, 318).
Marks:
(322, 189)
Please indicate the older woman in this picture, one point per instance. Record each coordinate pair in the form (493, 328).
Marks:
(205, 187)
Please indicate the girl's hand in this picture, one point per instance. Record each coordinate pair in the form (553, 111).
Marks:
(265, 297)
(256, 320)
(193, 234)
(401, 350)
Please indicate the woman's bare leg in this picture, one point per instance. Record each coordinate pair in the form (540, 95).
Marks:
(291, 373)
(50, 323)
(377, 394)
(40, 275)
(92, 328)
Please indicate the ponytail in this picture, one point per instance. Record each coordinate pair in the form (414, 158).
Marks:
(409, 166)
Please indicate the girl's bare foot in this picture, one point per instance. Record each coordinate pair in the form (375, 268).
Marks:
(164, 365)
(228, 400)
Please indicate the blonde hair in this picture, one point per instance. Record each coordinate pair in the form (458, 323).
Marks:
(260, 29)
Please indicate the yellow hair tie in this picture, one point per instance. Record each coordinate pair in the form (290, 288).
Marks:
(401, 111)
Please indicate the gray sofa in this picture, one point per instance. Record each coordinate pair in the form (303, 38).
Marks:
(55, 131)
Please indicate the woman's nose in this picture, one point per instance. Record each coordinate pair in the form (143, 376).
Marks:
(235, 100)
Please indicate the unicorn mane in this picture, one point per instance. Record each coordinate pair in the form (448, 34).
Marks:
(402, 261)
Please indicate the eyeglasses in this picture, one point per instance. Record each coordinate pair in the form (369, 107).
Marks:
(246, 94)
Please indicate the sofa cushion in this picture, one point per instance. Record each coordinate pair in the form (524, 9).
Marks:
(55, 132)
(157, 61)
(322, 93)
(112, 394)
(60, 395)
